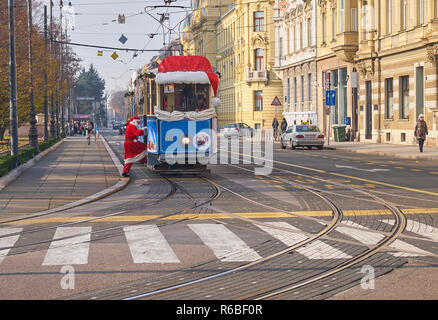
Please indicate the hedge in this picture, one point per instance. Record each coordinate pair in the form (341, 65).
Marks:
(8, 162)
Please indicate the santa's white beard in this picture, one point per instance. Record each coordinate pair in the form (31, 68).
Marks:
(136, 124)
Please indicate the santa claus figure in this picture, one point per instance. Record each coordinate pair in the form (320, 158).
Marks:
(134, 149)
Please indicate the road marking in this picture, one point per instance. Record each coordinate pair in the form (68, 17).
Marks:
(415, 227)
(73, 250)
(215, 215)
(8, 241)
(148, 245)
(355, 168)
(224, 243)
(372, 238)
(315, 250)
(345, 176)
(366, 237)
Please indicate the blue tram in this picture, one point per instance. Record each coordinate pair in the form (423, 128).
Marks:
(181, 133)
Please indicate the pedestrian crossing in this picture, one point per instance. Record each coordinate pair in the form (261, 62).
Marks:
(372, 238)
(150, 243)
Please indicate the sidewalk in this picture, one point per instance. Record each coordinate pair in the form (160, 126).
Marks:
(385, 149)
(69, 173)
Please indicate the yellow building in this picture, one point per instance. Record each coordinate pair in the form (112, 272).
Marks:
(336, 35)
(396, 59)
(240, 46)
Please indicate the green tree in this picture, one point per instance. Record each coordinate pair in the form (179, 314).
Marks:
(89, 84)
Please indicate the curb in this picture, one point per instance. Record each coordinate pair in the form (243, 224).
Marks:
(123, 182)
(386, 154)
(15, 173)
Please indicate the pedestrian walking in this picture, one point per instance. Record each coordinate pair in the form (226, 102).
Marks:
(283, 125)
(88, 131)
(275, 127)
(421, 131)
(134, 149)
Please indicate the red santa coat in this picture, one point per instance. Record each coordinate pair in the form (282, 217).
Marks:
(134, 149)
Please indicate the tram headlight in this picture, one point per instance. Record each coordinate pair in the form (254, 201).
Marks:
(185, 140)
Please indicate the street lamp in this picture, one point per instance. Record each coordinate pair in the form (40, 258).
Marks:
(33, 133)
(61, 104)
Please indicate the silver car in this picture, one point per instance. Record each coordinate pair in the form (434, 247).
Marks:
(237, 130)
(302, 135)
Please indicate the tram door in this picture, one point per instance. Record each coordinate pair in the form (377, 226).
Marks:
(368, 111)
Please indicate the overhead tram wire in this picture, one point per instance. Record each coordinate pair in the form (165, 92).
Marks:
(104, 47)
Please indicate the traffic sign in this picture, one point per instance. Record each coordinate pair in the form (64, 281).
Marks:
(330, 98)
(283, 6)
(276, 102)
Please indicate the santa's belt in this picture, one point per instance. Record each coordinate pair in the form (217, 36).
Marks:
(130, 139)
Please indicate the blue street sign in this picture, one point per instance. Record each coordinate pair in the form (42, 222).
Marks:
(330, 98)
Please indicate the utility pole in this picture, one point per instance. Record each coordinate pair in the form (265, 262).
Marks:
(46, 94)
(52, 107)
(33, 133)
(61, 102)
(13, 85)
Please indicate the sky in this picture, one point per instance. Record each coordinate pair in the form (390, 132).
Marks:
(95, 23)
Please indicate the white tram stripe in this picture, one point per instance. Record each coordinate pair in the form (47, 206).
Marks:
(372, 238)
(8, 241)
(314, 250)
(148, 245)
(224, 243)
(73, 250)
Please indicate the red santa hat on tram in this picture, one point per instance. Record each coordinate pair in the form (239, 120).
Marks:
(188, 69)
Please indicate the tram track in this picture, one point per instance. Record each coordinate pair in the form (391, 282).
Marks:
(174, 289)
(397, 229)
(174, 187)
(337, 217)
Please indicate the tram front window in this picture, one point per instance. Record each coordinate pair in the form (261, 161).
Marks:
(185, 97)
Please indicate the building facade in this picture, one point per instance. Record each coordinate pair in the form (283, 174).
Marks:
(295, 60)
(396, 60)
(336, 32)
(242, 49)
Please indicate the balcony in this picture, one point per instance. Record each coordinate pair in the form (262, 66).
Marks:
(346, 45)
(257, 76)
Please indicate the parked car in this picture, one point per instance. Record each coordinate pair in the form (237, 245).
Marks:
(117, 125)
(302, 135)
(237, 130)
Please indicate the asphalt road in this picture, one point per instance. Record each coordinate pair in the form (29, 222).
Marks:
(155, 234)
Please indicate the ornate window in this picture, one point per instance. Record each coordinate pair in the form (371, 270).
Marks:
(259, 21)
(258, 100)
(259, 59)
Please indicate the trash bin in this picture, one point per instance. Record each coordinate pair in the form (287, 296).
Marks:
(339, 133)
